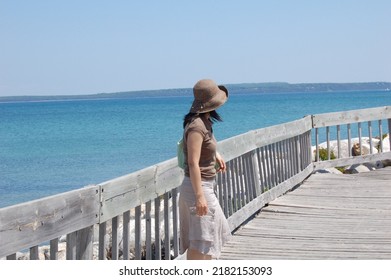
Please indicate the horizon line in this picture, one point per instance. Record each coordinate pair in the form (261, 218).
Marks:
(252, 84)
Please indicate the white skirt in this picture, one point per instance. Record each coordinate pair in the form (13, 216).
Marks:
(206, 234)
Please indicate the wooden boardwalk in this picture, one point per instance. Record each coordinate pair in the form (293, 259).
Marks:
(328, 217)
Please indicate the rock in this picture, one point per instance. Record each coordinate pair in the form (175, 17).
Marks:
(357, 168)
(386, 144)
(376, 165)
(329, 170)
(365, 149)
(62, 238)
(344, 147)
(365, 167)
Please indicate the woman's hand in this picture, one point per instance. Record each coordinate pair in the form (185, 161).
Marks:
(201, 206)
(220, 163)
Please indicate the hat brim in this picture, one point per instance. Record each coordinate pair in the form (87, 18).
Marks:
(215, 102)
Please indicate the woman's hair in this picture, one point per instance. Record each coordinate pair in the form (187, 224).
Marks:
(213, 117)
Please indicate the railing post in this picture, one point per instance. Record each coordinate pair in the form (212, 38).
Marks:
(339, 141)
(125, 235)
(370, 137)
(360, 137)
(148, 230)
(389, 131)
(102, 241)
(84, 243)
(349, 140)
(114, 238)
(167, 235)
(175, 218)
(158, 246)
(11, 257)
(34, 253)
(328, 142)
(255, 173)
(317, 144)
(309, 149)
(381, 136)
(298, 154)
(137, 232)
(71, 246)
(54, 249)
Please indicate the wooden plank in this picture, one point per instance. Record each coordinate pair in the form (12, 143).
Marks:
(11, 257)
(85, 238)
(114, 238)
(34, 253)
(175, 219)
(353, 116)
(32, 223)
(148, 231)
(329, 216)
(137, 232)
(277, 133)
(167, 233)
(71, 246)
(255, 205)
(102, 255)
(158, 247)
(54, 249)
(389, 130)
(238, 145)
(126, 235)
(351, 160)
(129, 191)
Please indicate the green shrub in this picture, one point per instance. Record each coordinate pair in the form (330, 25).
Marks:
(323, 154)
(342, 169)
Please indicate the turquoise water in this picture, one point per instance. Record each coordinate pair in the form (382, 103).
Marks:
(52, 147)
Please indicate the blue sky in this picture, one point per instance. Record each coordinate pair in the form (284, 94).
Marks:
(85, 47)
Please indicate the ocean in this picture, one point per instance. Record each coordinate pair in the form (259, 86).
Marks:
(51, 147)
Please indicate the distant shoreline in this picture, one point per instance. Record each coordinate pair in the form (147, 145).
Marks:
(278, 87)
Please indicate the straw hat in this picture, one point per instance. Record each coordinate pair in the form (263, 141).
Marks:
(208, 96)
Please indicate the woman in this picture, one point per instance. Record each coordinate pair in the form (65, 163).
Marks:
(204, 228)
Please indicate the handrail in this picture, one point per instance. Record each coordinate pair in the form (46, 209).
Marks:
(139, 211)
(363, 122)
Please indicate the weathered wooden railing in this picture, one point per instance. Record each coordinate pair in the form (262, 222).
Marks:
(136, 216)
(344, 124)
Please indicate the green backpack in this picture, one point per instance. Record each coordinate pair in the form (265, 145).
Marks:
(180, 154)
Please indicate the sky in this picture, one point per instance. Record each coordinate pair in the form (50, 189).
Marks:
(74, 47)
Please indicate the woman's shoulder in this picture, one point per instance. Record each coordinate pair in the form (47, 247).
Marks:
(197, 122)
(197, 125)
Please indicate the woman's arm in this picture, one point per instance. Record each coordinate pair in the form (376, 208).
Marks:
(194, 144)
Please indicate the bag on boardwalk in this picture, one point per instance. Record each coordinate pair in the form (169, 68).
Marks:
(180, 154)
